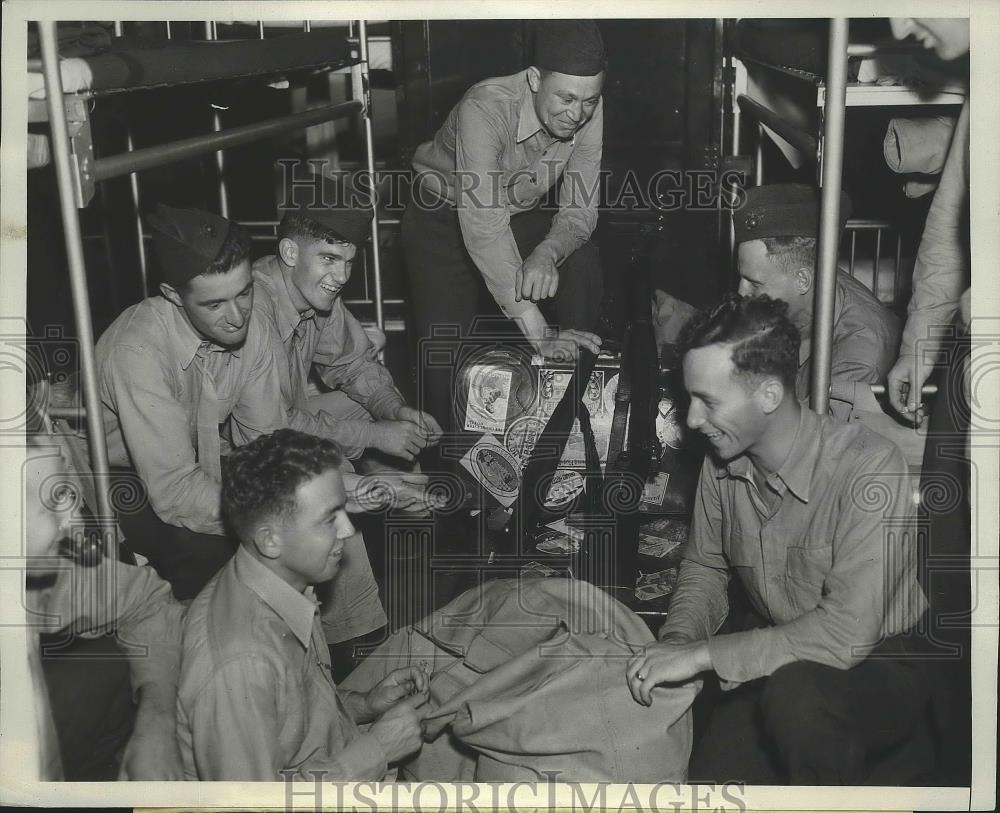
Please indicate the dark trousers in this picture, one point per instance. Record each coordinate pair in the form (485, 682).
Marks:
(946, 510)
(90, 694)
(810, 724)
(186, 559)
(446, 288)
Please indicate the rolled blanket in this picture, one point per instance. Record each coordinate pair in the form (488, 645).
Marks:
(918, 145)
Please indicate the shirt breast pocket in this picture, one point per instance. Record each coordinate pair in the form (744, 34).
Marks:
(806, 568)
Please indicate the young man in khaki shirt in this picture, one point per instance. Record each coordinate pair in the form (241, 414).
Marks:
(816, 520)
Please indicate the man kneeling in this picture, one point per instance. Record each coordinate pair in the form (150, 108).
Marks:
(257, 700)
(812, 516)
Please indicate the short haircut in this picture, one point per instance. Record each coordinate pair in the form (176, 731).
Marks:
(762, 339)
(234, 250)
(791, 253)
(295, 225)
(259, 480)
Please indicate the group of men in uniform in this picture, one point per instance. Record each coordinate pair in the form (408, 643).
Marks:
(208, 400)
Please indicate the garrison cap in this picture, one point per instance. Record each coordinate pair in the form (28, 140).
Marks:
(332, 202)
(186, 241)
(783, 210)
(574, 47)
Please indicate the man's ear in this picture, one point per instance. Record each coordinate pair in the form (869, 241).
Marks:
(288, 251)
(534, 78)
(803, 279)
(267, 540)
(770, 393)
(171, 294)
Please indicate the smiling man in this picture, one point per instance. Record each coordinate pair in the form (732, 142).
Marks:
(257, 700)
(777, 234)
(178, 374)
(299, 289)
(817, 672)
(474, 237)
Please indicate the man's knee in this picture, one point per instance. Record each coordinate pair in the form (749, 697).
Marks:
(801, 714)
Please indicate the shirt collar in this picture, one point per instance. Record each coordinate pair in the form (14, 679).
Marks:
(527, 119)
(297, 610)
(796, 472)
(185, 341)
(286, 315)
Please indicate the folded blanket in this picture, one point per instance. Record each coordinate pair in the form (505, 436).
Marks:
(918, 145)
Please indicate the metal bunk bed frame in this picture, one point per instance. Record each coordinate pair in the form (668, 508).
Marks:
(828, 150)
(77, 172)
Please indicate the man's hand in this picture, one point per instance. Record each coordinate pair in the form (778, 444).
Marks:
(152, 753)
(391, 489)
(399, 684)
(537, 278)
(402, 439)
(665, 662)
(904, 383)
(565, 345)
(430, 427)
(400, 731)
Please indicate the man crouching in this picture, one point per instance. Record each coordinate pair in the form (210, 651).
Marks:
(257, 700)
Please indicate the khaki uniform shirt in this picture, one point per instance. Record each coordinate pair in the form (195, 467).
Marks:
(92, 601)
(832, 566)
(493, 158)
(256, 696)
(865, 344)
(335, 346)
(149, 381)
(941, 274)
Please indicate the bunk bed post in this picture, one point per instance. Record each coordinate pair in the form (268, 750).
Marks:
(220, 158)
(134, 185)
(78, 280)
(365, 94)
(833, 162)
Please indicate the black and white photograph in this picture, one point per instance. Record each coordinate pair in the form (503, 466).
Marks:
(497, 407)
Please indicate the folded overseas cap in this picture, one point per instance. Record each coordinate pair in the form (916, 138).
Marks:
(186, 241)
(783, 210)
(332, 202)
(573, 47)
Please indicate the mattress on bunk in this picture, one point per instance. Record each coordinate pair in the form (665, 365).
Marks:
(800, 45)
(131, 64)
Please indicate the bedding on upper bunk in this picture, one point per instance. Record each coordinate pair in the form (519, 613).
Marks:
(131, 64)
(799, 49)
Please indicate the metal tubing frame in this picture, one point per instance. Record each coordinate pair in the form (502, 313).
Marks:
(134, 185)
(220, 158)
(77, 277)
(124, 163)
(829, 238)
(363, 78)
(800, 139)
